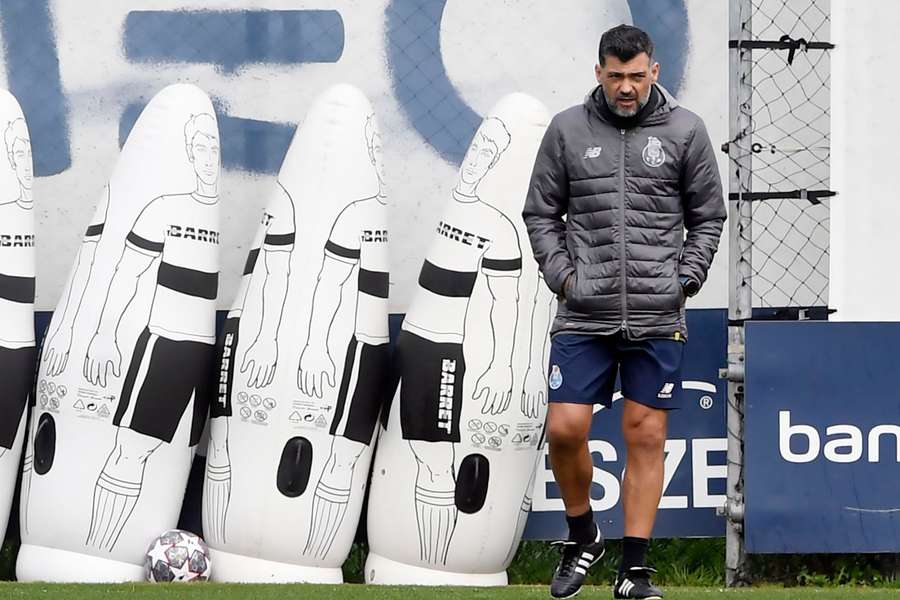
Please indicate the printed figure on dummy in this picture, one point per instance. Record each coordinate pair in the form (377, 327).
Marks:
(17, 288)
(181, 230)
(474, 238)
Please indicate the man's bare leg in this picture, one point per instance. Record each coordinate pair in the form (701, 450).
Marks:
(568, 426)
(644, 430)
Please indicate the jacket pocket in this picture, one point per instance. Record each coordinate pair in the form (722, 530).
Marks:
(674, 297)
(572, 293)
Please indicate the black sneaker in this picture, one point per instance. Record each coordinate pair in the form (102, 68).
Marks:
(635, 583)
(574, 564)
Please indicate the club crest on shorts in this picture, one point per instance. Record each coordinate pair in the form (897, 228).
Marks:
(555, 378)
(653, 153)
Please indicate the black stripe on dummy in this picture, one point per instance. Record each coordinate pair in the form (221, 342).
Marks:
(444, 282)
(188, 281)
(373, 283)
(136, 240)
(285, 239)
(251, 261)
(341, 251)
(513, 264)
(345, 385)
(17, 289)
(94, 230)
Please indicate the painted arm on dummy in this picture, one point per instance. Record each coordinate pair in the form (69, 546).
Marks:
(534, 387)
(261, 357)
(56, 350)
(103, 353)
(494, 387)
(316, 365)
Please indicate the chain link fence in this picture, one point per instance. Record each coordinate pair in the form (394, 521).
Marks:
(786, 149)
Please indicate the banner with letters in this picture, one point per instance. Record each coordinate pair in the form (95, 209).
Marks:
(822, 437)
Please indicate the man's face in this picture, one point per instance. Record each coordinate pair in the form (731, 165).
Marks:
(204, 154)
(478, 159)
(626, 85)
(20, 157)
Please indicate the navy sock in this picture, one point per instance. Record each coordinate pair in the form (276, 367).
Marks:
(582, 528)
(634, 553)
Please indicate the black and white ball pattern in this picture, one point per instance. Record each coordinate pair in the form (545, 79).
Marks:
(177, 555)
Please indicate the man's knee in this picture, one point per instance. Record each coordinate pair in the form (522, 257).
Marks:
(644, 428)
(568, 429)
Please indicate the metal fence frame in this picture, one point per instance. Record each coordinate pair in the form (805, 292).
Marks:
(741, 196)
(740, 219)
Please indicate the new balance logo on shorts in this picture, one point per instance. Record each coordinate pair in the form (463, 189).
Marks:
(445, 408)
(592, 152)
(666, 391)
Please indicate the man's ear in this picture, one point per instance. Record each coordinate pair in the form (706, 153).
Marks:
(654, 72)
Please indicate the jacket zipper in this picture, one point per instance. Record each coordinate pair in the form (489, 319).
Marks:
(623, 264)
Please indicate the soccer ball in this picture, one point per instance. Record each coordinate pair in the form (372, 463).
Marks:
(177, 555)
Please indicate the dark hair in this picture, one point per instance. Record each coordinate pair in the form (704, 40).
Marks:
(624, 42)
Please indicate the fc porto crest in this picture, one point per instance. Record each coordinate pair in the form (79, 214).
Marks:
(555, 378)
(653, 153)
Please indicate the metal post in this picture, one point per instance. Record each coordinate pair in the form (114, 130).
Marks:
(740, 294)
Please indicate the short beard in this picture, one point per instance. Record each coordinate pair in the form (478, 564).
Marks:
(621, 112)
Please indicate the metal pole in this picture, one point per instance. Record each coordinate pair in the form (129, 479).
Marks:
(740, 293)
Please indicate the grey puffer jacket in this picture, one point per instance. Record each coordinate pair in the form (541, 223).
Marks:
(609, 208)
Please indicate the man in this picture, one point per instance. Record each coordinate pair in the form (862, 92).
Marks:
(616, 182)
(173, 358)
(358, 241)
(473, 238)
(17, 351)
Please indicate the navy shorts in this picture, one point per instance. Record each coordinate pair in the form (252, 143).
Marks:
(583, 369)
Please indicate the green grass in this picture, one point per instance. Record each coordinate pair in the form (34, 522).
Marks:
(684, 563)
(210, 591)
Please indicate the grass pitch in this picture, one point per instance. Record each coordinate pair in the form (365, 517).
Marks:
(213, 591)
